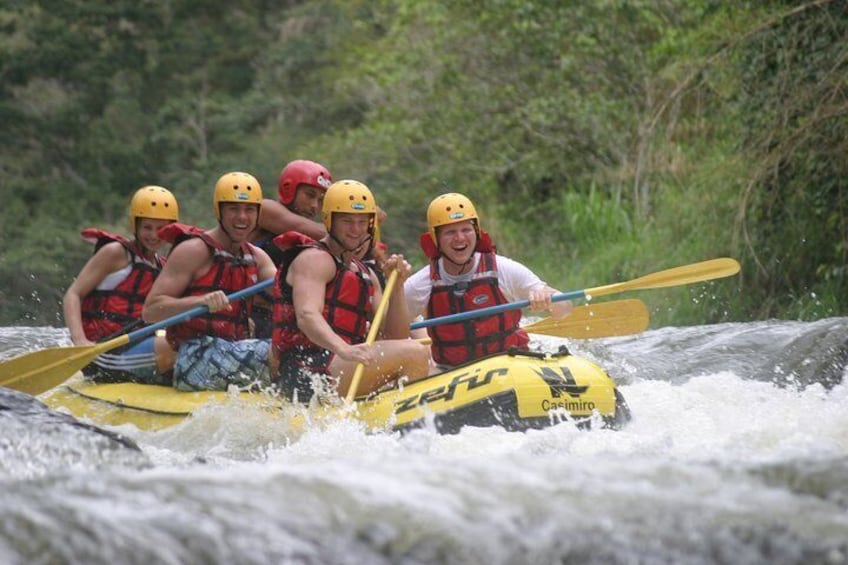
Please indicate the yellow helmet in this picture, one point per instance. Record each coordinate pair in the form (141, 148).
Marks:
(154, 202)
(348, 197)
(236, 187)
(450, 208)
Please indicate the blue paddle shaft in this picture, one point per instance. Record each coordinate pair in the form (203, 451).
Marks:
(197, 311)
(262, 285)
(491, 310)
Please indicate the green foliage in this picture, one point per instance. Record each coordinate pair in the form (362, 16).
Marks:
(794, 212)
(600, 140)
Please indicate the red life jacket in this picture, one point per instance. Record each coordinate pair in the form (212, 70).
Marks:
(460, 342)
(347, 300)
(229, 273)
(106, 312)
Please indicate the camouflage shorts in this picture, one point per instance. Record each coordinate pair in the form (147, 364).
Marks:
(212, 363)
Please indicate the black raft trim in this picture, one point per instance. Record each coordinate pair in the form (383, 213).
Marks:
(501, 410)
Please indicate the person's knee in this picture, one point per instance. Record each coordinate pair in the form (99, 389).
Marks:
(417, 360)
(165, 355)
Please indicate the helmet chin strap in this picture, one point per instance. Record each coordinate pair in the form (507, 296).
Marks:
(223, 229)
(470, 260)
(146, 251)
(460, 265)
(229, 236)
(368, 239)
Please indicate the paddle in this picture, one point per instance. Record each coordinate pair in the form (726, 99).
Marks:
(39, 371)
(602, 319)
(372, 334)
(687, 274)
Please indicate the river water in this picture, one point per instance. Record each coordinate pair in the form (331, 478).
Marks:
(737, 453)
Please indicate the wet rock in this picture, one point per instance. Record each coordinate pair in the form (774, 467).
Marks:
(36, 441)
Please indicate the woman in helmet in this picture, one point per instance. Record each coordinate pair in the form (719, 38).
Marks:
(215, 349)
(106, 298)
(324, 296)
(465, 273)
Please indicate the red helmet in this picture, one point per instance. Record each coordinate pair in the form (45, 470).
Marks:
(302, 172)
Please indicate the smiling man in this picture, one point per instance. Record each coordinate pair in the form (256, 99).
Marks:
(301, 188)
(302, 185)
(324, 299)
(464, 274)
(214, 349)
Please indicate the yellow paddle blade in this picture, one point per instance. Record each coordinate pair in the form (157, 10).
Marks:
(51, 367)
(687, 274)
(603, 319)
(39, 371)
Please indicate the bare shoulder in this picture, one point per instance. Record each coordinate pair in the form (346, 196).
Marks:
(190, 246)
(263, 260)
(313, 264)
(512, 265)
(112, 256)
(313, 255)
(188, 255)
(258, 251)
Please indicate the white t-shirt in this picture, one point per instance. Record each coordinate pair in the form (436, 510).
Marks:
(514, 280)
(112, 280)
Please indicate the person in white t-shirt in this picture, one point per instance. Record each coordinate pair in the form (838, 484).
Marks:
(465, 273)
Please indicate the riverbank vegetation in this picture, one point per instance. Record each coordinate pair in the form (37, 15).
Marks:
(601, 140)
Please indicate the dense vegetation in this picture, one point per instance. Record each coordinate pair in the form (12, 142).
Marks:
(602, 140)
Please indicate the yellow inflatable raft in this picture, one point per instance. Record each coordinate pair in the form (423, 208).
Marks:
(516, 391)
